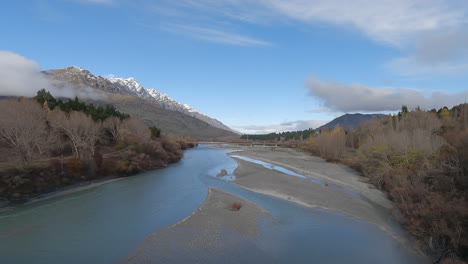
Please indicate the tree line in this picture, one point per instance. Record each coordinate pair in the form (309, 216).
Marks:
(281, 136)
(97, 113)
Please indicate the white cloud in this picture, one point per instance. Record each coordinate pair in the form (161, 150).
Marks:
(357, 97)
(439, 53)
(20, 76)
(390, 21)
(285, 126)
(214, 35)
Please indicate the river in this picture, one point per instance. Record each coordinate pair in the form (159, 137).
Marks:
(106, 223)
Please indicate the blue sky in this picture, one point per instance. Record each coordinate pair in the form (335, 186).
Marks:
(258, 66)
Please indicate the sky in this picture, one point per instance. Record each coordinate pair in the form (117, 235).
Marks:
(258, 66)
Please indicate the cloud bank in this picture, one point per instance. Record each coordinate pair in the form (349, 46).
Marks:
(357, 97)
(20, 76)
(285, 126)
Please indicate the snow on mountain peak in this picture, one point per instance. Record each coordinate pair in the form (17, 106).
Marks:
(131, 84)
(150, 94)
(156, 97)
(76, 69)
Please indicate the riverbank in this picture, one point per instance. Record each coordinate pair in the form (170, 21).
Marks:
(317, 168)
(60, 192)
(214, 228)
(325, 185)
(54, 177)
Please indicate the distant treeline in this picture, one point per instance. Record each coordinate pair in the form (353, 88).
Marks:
(305, 134)
(282, 136)
(97, 113)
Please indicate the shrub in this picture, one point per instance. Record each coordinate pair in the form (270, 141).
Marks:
(172, 149)
(236, 206)
(331, 144)
(74, 165)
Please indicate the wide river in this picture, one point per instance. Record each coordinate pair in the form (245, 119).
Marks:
(107, 223)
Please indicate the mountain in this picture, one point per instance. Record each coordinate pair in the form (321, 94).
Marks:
(165, 101)
(155, 108)
(350, 121)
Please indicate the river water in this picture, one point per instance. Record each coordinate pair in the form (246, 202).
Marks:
(106, 223)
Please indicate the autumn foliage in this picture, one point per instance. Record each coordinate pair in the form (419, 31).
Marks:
(42, 149)
(420, 158)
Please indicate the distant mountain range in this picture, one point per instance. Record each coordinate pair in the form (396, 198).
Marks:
(154, 107)
(350, 121)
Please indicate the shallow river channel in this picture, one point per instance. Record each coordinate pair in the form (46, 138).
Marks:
(107, 223)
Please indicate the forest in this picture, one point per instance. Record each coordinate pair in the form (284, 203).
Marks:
(46, 144)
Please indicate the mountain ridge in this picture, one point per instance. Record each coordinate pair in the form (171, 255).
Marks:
(131, 86)
(118, 89)
(350, 121)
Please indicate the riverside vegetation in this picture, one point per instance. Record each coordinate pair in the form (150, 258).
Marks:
(420, 158)
(46, 144)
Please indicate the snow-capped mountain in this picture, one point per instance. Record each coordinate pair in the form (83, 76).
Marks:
(164, 100)
(129, 86)
(151, 94)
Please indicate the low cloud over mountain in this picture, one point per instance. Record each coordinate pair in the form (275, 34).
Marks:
(20, 76)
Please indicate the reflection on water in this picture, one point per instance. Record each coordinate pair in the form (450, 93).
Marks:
(105, 224)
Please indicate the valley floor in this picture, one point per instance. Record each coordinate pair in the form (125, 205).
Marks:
(325, 185)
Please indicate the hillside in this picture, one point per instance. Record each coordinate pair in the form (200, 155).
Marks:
(155, 108)
(350, 121)
(170, 122)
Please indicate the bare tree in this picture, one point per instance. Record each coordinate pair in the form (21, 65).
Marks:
(112, 125)
(23, 127)
(332, 143)
(82, 131)
(135, 131)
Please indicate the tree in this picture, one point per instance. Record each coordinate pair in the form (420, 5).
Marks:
(112, 127)
(404, 109)
(23, 127)
(134, 131)
(331, 143)
(80, 129)
(443, 112)
(155, 132)
(44, 96)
